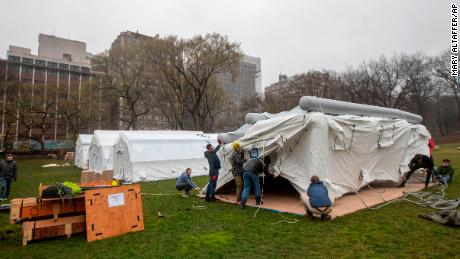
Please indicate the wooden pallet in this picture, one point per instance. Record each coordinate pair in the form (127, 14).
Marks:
(113, 211)
(88, 176)
(40, 229)
(33, 208)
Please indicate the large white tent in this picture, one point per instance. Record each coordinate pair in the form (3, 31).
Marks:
(81, 150)
(150, 156)
(101, 150)
(347, 152)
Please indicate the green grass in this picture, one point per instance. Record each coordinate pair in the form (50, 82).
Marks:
(223, 230)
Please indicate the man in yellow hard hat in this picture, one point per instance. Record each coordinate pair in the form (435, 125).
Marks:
(238, 160)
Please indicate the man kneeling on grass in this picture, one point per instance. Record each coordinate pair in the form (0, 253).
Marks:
(184, 182)
(317, 202)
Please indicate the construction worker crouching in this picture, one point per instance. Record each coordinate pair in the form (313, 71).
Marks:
(317, 200)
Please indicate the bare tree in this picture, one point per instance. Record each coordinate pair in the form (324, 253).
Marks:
(416, 73)
(187, 70)
(34, 112)
(441, 71)
(126, 82)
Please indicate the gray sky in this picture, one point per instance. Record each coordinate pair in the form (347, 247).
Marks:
(290, 36)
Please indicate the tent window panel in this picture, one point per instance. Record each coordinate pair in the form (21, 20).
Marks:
(386, 136)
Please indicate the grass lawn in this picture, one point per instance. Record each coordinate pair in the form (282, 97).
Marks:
(223, 230)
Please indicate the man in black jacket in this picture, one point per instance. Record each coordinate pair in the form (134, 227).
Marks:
(214, 166)
(417, 162)
(8, 173)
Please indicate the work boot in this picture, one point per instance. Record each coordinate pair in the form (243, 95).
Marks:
(403, 183)
(242, 206)
(325, 217)
(259, 201)
(207, 199)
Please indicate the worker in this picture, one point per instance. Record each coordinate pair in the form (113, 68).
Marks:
(251, 171)
(8, 173)
(184, 182)
(238, 160)
(445, 171)
(419, 161)
(317, 200)
(214, 166)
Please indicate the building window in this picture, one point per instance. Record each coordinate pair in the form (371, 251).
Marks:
(52, 64)
(13, 68)
(14, 59)
(67, 56)
(52, 73)
(26, 69)
(85, 69)
(39, 62)
(39, 72)
(63, 66)
(27, 61)
(74, 68)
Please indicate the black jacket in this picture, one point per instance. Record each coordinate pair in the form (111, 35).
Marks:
(213, 160)
(9, 169)
(421, 161)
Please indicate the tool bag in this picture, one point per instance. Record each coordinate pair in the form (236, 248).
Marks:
(57, 190)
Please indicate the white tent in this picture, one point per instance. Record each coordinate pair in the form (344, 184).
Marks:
(101, 150)
(81, 150)
(150, 156)
(346, 151)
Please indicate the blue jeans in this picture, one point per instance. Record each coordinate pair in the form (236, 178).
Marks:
(211, 189)
(250, 179)
(6, 187)
(447, 178)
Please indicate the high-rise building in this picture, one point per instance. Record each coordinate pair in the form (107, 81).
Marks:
(154, 119)
(246, 84)
(238, 88)
(52, 76)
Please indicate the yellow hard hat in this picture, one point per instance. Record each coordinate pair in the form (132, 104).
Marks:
(235, 145)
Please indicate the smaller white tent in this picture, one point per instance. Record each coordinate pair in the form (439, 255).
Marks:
(101, 150)
(81, 150)
(151, 156)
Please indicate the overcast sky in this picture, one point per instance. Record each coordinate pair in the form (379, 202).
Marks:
(289, 36)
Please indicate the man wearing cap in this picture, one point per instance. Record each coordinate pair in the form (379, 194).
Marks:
(214, 166)
(238, 160)
(8, 173)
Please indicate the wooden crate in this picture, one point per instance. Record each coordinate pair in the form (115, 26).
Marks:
(33, 208)
(113, 211)
(40, 229)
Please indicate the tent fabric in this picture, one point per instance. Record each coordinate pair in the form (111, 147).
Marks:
(346, 152)
(151, 156)
(81, 150)
(101, 150)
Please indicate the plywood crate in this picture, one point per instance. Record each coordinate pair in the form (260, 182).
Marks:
(40, 229)
(113, 211)
(33, 208)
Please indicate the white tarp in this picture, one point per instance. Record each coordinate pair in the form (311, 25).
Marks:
(346, 152)
(81, 150)
(151, 156)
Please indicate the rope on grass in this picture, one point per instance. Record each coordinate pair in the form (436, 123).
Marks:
(430, 199)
